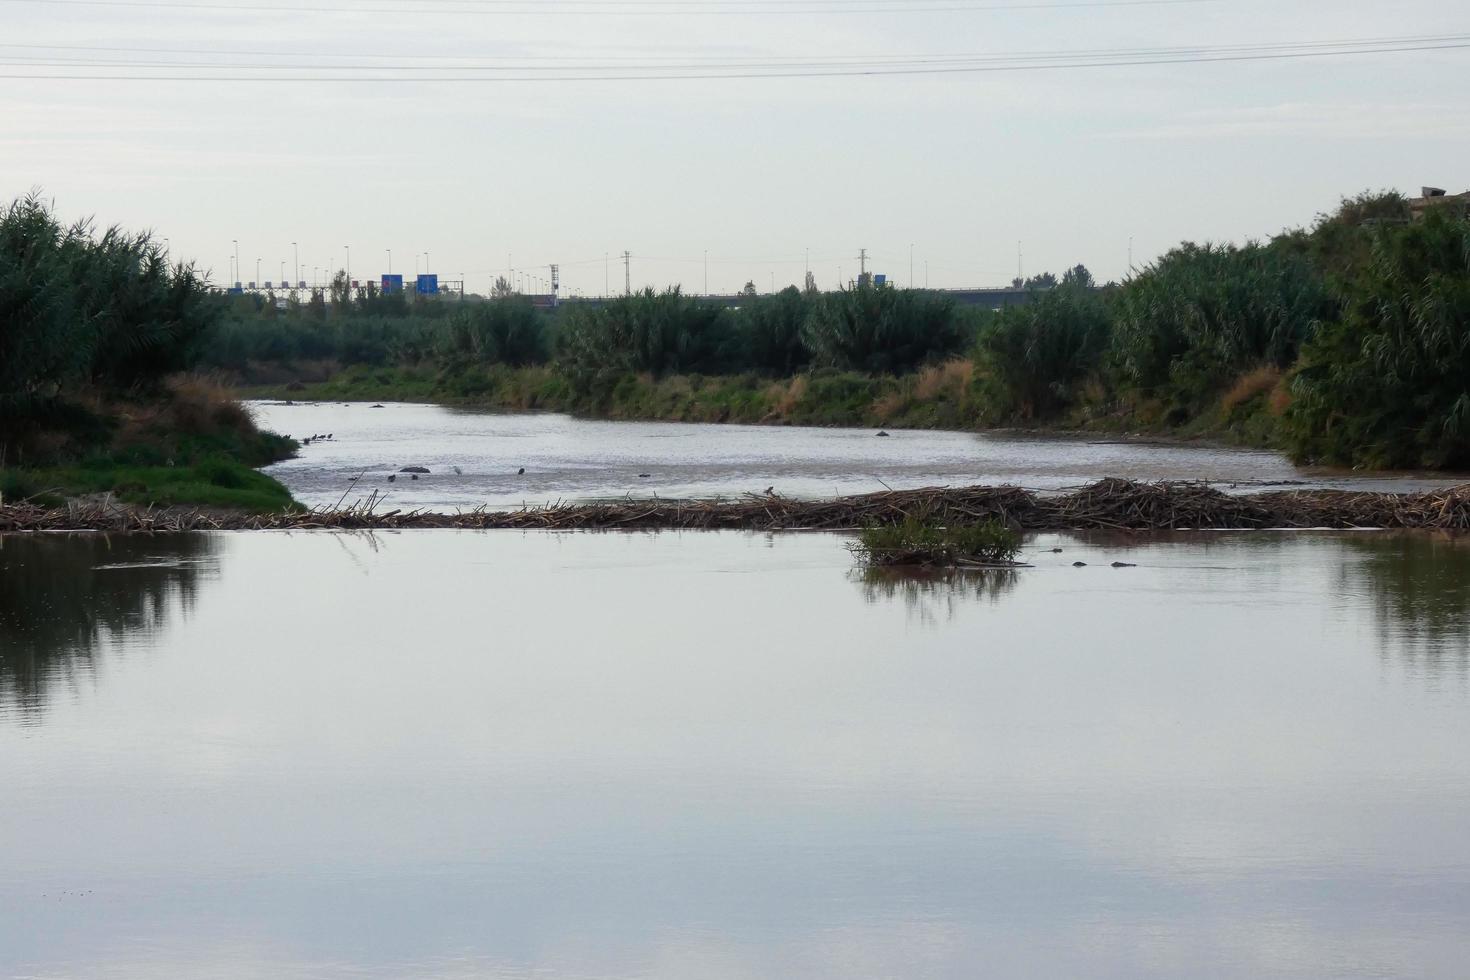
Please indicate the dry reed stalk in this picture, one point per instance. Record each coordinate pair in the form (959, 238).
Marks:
(1106, 505)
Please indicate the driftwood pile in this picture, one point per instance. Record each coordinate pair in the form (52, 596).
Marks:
(1109, 504)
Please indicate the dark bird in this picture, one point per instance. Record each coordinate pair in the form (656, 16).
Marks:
(392, 478)
(771, 491)
(521, 471)
(644, 476)
(882, 434)
(415, 476)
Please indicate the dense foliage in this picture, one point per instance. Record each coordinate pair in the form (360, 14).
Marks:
(507, 331)
(1193, 321)
(651, 332)
(881, 330)
(1387, 382)
(78, 310)
(1042, 352)
(1348, 341)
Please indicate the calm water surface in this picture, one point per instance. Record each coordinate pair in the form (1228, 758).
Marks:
(578, 459)
(720, 755)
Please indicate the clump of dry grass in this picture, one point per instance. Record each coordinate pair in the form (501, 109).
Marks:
(1280, 398)
(952, 377)
(786, 397)
(888, 406)
(1250, 385)
(200, 404)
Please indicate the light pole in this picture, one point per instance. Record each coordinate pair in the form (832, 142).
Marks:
(296, 259)
(390, 260)
(348, 270)
(257, 272)
(706, 272)
(911, 265)
(426, 262)
(283, 272)
(237, 262)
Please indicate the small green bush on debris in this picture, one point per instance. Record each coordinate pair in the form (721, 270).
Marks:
(919, 541)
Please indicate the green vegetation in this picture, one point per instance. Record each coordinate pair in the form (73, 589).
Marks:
(1344, 343)
(95, 330)
(920, 541)
(1386, 382)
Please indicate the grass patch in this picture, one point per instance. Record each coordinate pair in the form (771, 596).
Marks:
(925, 543)
(210, 482)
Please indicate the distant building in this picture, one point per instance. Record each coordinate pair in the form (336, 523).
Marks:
(1435, 197)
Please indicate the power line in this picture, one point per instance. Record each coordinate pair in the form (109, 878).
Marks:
(630, 7)
(774, 70)
(694, 63)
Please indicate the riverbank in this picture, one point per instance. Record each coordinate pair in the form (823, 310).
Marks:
(190, 443)
(1118, 505)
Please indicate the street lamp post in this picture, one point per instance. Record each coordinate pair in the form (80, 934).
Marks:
(911, 265)
(237, 262)
(390, 260)
(257, 272)
(296, 259)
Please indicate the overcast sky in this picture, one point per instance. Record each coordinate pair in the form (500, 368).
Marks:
(758, 172)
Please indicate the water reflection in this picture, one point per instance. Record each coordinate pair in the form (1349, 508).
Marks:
(1418, 586)
(931, 594)
(445, 754)
(63, 597)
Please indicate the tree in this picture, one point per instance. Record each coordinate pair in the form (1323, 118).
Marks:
(503, 288)
(1079, 277)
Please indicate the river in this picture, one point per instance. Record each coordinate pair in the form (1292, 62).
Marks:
(476, 458)
(512, 755)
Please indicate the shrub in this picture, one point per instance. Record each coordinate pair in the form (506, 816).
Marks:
(1202, 314)
(502, 331)
(1041, 353)
(770, 331)
(658, 333)
(881, 330)
(925, 542)
(1385, 383)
